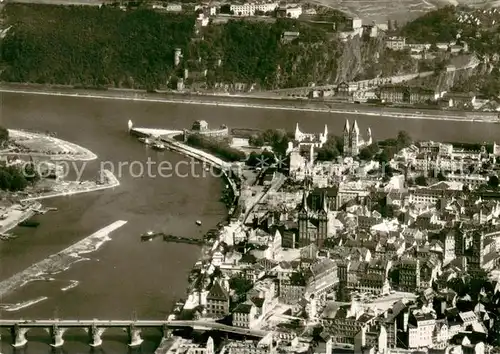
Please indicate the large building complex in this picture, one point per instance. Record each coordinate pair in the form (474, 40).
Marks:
(250, 9)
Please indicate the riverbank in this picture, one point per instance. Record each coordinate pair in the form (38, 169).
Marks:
(167, 136)
(41, 145)
(258, 103)
(60, 261)
(66, 188)
(34, 144)
(16, 214)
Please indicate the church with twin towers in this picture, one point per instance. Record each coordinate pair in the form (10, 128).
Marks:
(353, 140)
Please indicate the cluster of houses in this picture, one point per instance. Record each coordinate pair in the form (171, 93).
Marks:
(399, 43)
(242, 9)
(324, 255)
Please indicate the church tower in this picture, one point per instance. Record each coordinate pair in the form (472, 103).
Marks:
(368, 137)
(476, 259)
(354, 139)
(303, 219)
(347, 139)
(298, 133)
(459, 241)
(323, 221)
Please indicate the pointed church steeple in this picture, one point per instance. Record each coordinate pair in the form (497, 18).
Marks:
(324, 206)
(347, 138)
(303, 205)
(368, 136)
(297, 132)
(326, 131)
(355, 128)
(322, 221)
(346, 126)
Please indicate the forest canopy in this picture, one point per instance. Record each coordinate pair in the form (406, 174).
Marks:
(107, 47)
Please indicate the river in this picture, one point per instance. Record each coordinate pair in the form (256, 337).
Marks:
(126, 276)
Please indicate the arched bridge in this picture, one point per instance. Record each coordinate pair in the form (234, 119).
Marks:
(96, 328)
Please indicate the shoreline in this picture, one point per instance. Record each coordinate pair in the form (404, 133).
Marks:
(73, 151)
(232, 101)
(111, 182)
(60, 261)
(185, 150)
(25, 215)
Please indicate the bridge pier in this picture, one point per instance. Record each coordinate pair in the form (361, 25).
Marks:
(19, 336)
(57, 336)
(134, 335)
(95, 334)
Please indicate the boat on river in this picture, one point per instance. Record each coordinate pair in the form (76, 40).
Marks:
(146, 141)
(198, 222)
(158, 146)
(29, 223)
(149, 236)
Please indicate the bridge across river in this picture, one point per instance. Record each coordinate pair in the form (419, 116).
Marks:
(96, 328)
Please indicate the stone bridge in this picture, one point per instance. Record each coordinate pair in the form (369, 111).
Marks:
(96, 328)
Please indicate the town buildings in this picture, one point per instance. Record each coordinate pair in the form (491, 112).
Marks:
(377, 266)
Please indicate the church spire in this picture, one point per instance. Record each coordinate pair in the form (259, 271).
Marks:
(346, 126)
(326, 132)
(303, 206)
(355, 128)
(324, 203)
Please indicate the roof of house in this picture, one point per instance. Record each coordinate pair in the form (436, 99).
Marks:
(217, 292)
(243, 308)
(258, 301)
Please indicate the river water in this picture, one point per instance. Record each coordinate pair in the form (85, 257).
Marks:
(125, 277)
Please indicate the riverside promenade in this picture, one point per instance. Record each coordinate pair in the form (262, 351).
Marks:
(167, 136)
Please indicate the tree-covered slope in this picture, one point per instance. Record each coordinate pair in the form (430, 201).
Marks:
(109, 47)
(91, 46)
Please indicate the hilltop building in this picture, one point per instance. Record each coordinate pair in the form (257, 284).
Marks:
(250, 9)
(353, 141)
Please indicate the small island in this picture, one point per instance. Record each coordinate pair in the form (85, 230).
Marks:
(32, 169)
